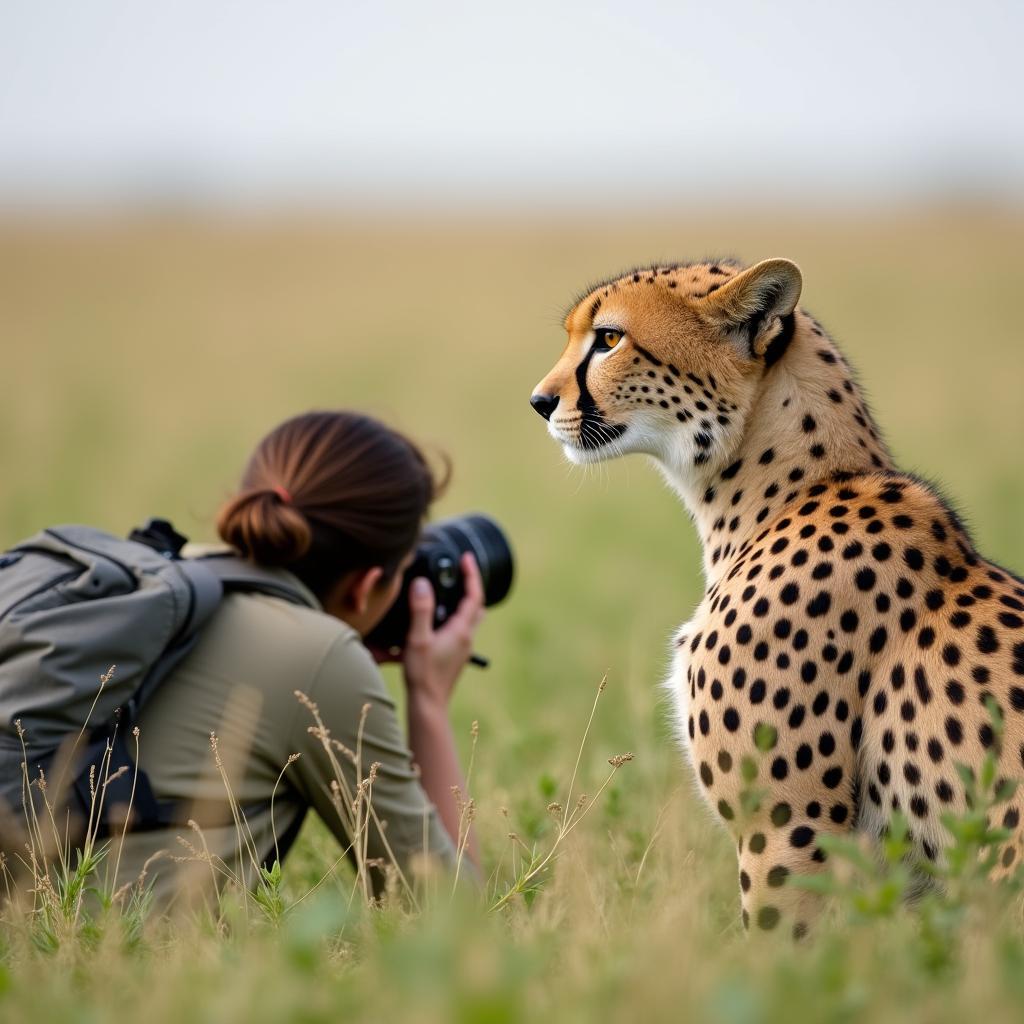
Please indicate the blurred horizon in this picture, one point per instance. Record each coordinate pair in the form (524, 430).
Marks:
(368, 109)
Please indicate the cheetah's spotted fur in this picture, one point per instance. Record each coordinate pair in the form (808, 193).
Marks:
(846, 607)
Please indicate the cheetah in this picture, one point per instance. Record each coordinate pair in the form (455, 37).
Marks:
(850, 634)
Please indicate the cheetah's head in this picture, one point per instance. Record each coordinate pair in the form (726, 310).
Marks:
(666, 361)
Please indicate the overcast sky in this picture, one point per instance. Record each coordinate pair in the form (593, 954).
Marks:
(358, 101)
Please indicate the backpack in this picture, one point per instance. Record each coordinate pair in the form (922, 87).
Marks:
(75, 601)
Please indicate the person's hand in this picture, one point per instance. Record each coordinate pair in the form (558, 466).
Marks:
(433, 658)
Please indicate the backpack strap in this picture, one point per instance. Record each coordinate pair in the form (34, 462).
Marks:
(238, 575)
(205, 592)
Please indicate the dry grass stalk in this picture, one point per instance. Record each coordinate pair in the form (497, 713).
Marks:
(569, 819)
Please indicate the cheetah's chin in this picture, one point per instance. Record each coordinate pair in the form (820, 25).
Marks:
(584, 456)
(580, 456)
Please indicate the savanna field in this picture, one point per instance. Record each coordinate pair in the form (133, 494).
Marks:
(143, 359)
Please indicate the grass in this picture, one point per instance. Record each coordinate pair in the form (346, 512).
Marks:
(143, 359)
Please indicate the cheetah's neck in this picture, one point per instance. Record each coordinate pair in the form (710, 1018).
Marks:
(808, 422)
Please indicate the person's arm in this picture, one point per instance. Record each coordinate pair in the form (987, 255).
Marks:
(432, 661)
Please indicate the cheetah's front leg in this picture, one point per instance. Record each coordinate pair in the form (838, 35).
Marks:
(770, 854)
(804, 788)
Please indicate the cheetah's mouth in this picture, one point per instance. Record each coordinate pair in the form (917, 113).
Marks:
(596, 432)
(587, 437)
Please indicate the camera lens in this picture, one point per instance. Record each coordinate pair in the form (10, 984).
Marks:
(438, 558)
(483, 538)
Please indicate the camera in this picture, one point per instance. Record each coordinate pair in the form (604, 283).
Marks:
(437, 558)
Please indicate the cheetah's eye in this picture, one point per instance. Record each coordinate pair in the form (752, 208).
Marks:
(606, 338)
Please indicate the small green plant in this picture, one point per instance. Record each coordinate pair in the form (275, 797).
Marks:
(268, 894)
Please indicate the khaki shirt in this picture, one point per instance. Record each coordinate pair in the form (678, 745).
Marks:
(239, 685)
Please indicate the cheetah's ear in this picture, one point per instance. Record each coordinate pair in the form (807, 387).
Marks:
(752, 309)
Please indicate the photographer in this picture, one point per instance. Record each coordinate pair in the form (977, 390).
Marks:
(333, 501)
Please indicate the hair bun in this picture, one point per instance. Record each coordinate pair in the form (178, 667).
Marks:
(362, 491)
(265, 528)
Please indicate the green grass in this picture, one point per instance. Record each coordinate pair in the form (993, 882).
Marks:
(143, 360)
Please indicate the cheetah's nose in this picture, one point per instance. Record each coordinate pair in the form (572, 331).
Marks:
(544, 404)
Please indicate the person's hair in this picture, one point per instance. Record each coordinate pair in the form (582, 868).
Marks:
(328, 492)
